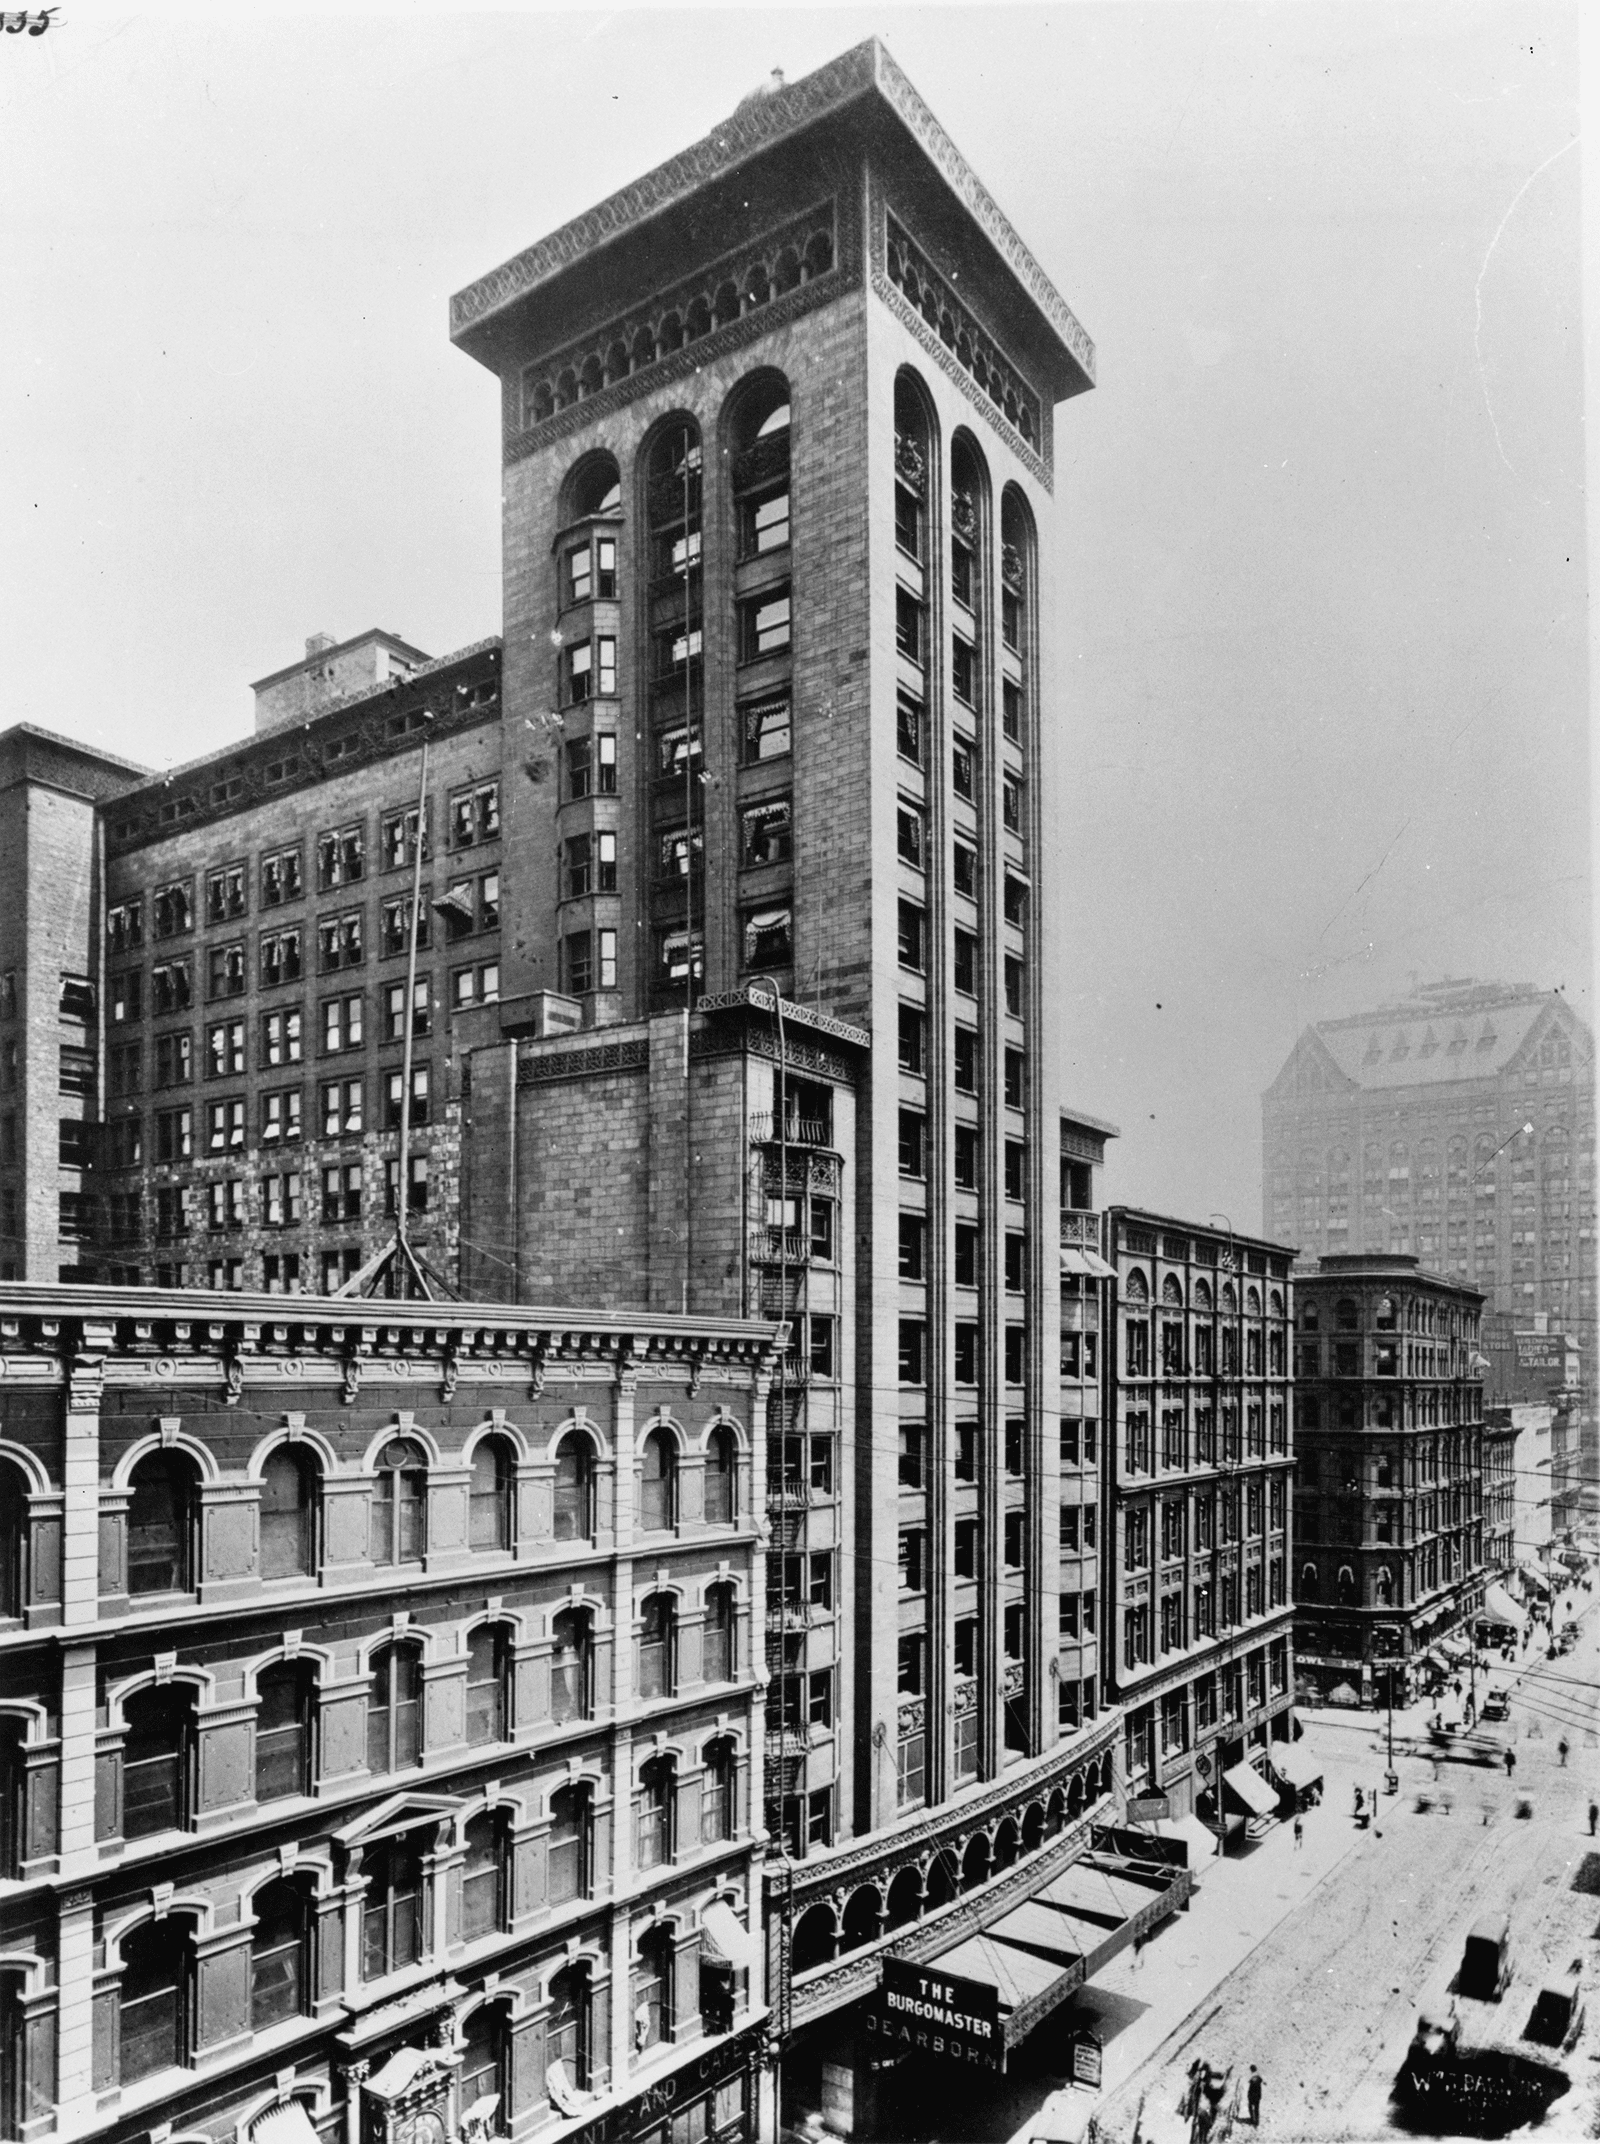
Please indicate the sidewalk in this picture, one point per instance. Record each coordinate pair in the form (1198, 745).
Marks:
(1136, 2002)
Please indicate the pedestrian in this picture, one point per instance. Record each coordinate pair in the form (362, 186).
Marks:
(1561, 1750)
(1252, 2093)
(1358, 1801)
(1138, 1949)
(1594, 1817)
(1511, 1762)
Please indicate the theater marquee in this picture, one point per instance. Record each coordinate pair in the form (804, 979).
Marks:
(923, 2011)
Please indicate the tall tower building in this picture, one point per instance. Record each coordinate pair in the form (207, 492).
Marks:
(779, 920)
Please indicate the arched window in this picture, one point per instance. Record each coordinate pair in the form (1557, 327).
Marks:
(571, 1657)
(488, 1684)
(153, 2001)
(400, 1503)
(593, 487)
(1136, 1288)
(1385, 1319)
(658, 1482)
(1171, 1290)
(717, 1790)
(717, 1648)
(573, 1510)
(13, 1539)
(657, 1646)
(912, 457)
(1309, 1582)
(570, 1847)
(1016, 571)
(392, 1912)
(1347, 1315)
(280, 1980)
(484, 1873)
(485, 2042)
(567, 2032)
(1202, 1295)
(494, 1476)
(1383, 1587)
(13, 1804)
(1310, 1317)
(1230, 1299)
(283, 1730)
(288, 1515)
(759, 441)
(156, 1760)
(653, 1839)
(816, 1937)
(722, 1458)
(1346, 1585)
(653, 2005)
(161, 1520)
(394, 1710)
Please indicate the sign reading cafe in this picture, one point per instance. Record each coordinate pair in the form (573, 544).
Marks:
(923, 2011)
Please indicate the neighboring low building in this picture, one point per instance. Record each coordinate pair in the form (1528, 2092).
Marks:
(380, 1734)
(1389, 1500)
(1196, 1501)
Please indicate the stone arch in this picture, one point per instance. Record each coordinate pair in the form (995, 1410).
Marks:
(863, 1916)
(1004, 1849)
(975, 1862)
(28, 1465)
(592, 1429)
(174, 1439)
(296, 1437)
(1033, 1821)
(663, 1420)
(200, 1680)
(1135, 1286)
(1172, 1291)
(1055, 1813)
(191, 1906)
(938, 1885)
(495, 1426)
(405, 1432)
(319, 1658)
(903, 1903)
(816, 1939)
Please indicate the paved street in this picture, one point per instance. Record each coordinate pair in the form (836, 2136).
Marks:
(1368, 1927)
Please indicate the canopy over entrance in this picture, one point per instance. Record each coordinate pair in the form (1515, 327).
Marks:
(1499, 1607)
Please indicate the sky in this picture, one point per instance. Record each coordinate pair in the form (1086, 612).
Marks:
(1322, 571)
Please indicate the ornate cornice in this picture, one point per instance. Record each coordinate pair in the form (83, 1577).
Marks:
(632, 1055)
(759, 123)
(912, 321)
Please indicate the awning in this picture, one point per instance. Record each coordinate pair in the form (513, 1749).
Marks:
(1534, 1576)
(1247, 1784)
(288, 2124)
(1036, 1954)
(1454, 1651)
(1499, 1607)
(1294, 1765)
(1090, 1262)
(724, 1939)
(1199, 1837)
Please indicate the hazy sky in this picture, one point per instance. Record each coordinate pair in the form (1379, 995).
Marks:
(1323, 593)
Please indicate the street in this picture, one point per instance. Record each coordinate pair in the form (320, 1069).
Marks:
(1326, 2003)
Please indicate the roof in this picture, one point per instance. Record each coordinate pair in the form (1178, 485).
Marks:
(1081, 1120)
(1457, 1033)
(29, 753)
(865, 74)
(375, 634)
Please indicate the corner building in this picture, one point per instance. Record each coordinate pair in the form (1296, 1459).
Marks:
(1389, 1484)
(778, 432)
(379, 1720)
(1197, 1480)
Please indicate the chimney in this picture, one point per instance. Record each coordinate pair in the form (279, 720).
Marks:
(316, 642)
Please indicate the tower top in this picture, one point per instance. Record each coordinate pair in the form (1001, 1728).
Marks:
(859, 100)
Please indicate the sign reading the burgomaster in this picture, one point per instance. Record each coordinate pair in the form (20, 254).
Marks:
(923, 2011)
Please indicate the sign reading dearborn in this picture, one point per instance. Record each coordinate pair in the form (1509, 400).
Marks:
(939, 2014)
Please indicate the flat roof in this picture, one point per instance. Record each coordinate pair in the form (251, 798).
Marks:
(1141, 1217)
(340, 647)
(762, 121)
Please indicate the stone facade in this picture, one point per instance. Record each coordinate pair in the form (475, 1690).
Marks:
(447, 1749)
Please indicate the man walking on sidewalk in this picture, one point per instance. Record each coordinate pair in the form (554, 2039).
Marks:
(1300, 1832)
(1594, 1816)
(1252, 2093)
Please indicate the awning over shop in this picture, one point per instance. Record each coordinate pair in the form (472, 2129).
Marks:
(287, 2124)
(1533, 1576)
(1199, 1837)
(1499, 1607)
(1090, 1262)
(1294, 1765)
(1035, 1955)
(1246, 1785)
(1453, 1651)
(724, 1938)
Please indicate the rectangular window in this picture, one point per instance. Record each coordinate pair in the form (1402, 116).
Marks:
(1013, 986)
(965, 1065)
(966, 1157)
(122, 997)
(962, 777)
(341, 1192)
(174, 1140)
(400, 838)
(765, 729)
(280, 1116)
(1016, 1355)
(125, 927)
(280, 958)
(965, 972)
(475, 815)
(764, 625)
(1011, 804)
(908, 625)
(225, 971)
(1016, 1262)
(341, 1107)
(913, 1143)
(225, 893)
(966, 1353)
(913, 1444)
(913, 1239)
(768, 938)
(394, 1009)
(281, 1204)
(1011, 709)
(281, 1038)
(909, 728)
(394, 1092)
(910, 834)
(342, 1025)
(966, 1264)
(964, 870)
(913, 1352)
(1015, 1160)
(1015, 1079)
(124, 1064)
(766, 833)
(341, 858)
(172, 909)
(281, 878)
(913, 1031)
(340, 942)
(396, 924)
(913, 929)
(174, 1060)
(964, 670)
